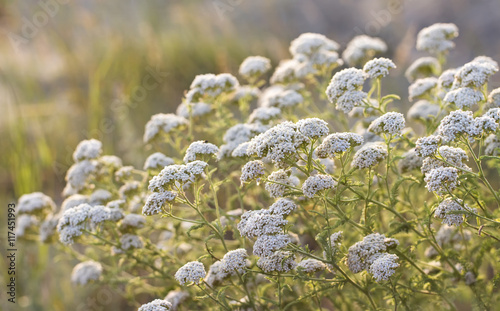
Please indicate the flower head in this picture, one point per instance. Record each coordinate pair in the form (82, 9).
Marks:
(193, 271)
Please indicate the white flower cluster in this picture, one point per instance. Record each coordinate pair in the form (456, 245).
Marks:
(87, 164)
(364, 254)
(278, 182)
(494, 98)
(209, 86)
(311, 265)
(187, 110)
(384, 266)
(446, 156)
(345, 89)
(423, 110)
(264, 114)
(312, 128)
(73, 220)
(316, 183)
(423, 67)
(266, 245)
(260, 222)
(252, 170)
(437, 38)
(85, 272)
(238, 136)
(335, 239)
(442, 179)
(266, 225)
(492, 145)
(280, 97)
(475, 73)
(156, 305)
(176, 298)
(278, 143)
(391, 123)
(449, 211)
(35, 203)
(369, 155)
(279, 261)
(177, 173)
(235, 261)
(162, 123)
(458, 122)
(378, 67)
(464, 97)
(254, 67)
(87, 150)
(422, 88)
(426, 146)
(337, 143)
(193, 271)
(313, 52)
(157, 161)
(362, 48)
(199, 147)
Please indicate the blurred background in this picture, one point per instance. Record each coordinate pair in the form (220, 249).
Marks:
(72, 70)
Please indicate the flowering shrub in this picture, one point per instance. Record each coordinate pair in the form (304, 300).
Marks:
(311, 192)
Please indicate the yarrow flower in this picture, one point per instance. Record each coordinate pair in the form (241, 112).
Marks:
(442, 179)
(278, 182)
(85, 272)
(282, 207)
(445, 211)
(337, 143)
(156, 305)
(422, 87)
(162, 123)
(464, 97)
(279, 97)
(451, 155)
(193, 110)
(266, 245)
(456, 123)
(316, 183)
(311, 265)
(390, 123)
(369, 155)
(423, 67)
(260, 222)
(279, 261)
(437, 38)
(364, 254)
(474, 74)
(235, 261)
(87, 150)
(199, 147)
(252, 170)
(35, 203)
(157, 161)
(494, 98)
(312, 128)
(193, 271)
(264, 114)
(426, 146)
(278, 143)
(362, 48)
(378, 67)
(384, 266)
(423, 110)
(254, 67)
(345, 89)
(210, 86)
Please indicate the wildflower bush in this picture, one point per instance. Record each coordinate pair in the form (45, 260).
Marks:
(308, 192)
